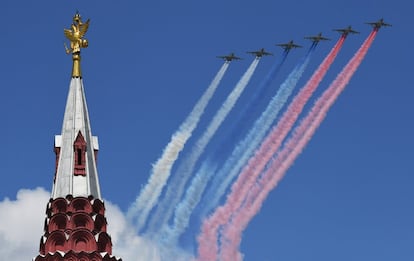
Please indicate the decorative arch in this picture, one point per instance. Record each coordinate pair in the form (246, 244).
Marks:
(81, 220)
(104, 243)
(80, 204)
(59, 205)
(58, 222)
(82, 240)
(100, 223)
(56, 241)
(98, 207)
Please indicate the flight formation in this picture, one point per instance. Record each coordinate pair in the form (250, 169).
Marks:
(198, 202)
(315, 39)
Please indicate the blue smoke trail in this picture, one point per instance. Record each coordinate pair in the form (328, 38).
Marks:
(244, 149)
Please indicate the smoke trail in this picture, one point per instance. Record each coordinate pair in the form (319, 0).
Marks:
(208, 236)
(194, 193)
(273, 141)
(257, 163)
(249, 111)
(162, 168)
(175, 190)
(244, 149)
(293, 147)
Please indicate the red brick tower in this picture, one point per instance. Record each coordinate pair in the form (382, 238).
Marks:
(75, 223)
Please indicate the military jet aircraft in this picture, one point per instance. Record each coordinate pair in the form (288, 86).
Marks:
(289, 45)
(378, 24)
(346, 31)
(317, 38)
(229, 58)
(260, 53)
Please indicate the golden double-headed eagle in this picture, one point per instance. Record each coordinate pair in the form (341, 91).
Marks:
(75, 35)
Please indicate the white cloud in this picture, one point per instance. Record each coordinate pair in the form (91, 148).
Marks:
(126, 243)
(131, 247)
(21, 227)
(21, 224)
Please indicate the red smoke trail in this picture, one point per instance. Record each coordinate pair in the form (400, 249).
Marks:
(255, 166)
(294, 146)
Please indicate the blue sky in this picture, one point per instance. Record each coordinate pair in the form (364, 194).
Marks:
(347, 197)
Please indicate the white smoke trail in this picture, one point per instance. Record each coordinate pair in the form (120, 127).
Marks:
(161, 170)
(185, 169)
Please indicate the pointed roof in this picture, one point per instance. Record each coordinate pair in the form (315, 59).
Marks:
(76, 172)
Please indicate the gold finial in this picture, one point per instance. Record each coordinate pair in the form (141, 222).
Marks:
(75, 35)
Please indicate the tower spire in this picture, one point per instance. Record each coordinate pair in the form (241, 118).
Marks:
(75, 223)
(76, 149)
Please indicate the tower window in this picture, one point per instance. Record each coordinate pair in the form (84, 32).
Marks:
(79, 156)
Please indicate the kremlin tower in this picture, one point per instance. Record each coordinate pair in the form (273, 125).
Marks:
(75, 223)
